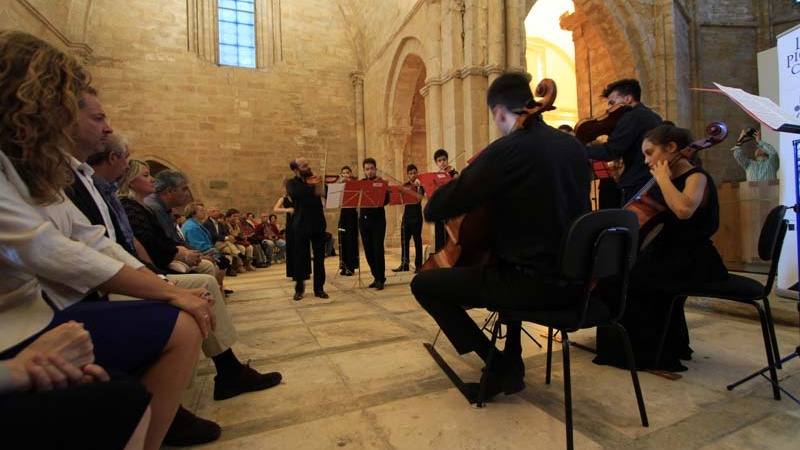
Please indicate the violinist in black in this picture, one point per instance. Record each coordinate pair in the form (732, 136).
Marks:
(411, 225)
(625, 142)
(682, 253)
(535, 182)
(348, 232)
(442, 160)
(372, 224)
(307, 228)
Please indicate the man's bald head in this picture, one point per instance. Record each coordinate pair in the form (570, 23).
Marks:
(301, 167)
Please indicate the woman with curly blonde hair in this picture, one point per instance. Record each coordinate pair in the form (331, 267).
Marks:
(51, 255)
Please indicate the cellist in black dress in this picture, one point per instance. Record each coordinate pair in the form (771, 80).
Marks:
(682, 252)
(348, 231)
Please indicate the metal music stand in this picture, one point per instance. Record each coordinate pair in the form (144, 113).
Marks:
(796, 352)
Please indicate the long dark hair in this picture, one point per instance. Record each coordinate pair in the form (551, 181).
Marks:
(667, 132)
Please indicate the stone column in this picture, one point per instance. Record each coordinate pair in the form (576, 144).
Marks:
(515, 35)
(496, 53)
(452, 94)
(397, 139)
(432, 93)
(358, 88)
(583, 64)
(473, 75)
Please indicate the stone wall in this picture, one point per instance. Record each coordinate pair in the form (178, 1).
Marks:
(393, 80)
(232, 130)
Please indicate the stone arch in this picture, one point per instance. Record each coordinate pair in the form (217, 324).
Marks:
(610, 44)
(158, 164)
(405, 107)
(406, 138)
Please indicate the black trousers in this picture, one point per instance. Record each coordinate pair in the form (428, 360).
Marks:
(373, 233)
(610, 194)
(411, 229)
(445, 293)
(348, 240)
(304, 244)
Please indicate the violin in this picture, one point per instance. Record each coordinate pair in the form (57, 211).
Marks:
(466, 243)
(649, 210)
(588, 130)
(316, 179)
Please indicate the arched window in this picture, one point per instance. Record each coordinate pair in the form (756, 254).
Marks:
(237, 33)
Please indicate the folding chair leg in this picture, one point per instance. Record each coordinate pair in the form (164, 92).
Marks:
(485, 376)
(567, 389)
(773, 374)
(634, 376)
(775, 352)
(549, 354)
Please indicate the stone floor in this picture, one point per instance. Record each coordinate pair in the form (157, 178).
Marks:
(357, 376)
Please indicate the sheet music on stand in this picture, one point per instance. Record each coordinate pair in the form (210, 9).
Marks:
(401, 195)
(759, 108)
(335, 196)
(432, 180)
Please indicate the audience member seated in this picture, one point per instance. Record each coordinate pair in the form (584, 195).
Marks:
(161, 249)
(94, 142)
(158, 340)
(52, 384)
(195, 233)
(233, 222)
(247, 226)
(272, 236)
(223, 241)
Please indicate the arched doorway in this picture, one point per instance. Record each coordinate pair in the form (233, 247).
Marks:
(415, 151)
(156, 167)
(406, 131)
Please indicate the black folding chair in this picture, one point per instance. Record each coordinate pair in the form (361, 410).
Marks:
(600, 247)
(746, 290)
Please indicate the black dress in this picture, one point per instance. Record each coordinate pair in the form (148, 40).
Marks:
(682, 254)
(348, 239)
(287, 203)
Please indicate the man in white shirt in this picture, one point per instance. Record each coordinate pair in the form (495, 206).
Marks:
(233, 378)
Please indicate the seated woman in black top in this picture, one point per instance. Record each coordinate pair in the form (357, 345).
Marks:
(682, 253)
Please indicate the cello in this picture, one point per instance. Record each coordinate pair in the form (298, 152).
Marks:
(648, 209)
(466, 243)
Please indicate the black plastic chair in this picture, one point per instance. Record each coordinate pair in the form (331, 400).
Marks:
(746, 290)
(600, 246)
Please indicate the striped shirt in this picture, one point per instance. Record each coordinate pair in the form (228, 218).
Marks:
(763, 169)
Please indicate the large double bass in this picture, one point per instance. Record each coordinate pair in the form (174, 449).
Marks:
(467, 243)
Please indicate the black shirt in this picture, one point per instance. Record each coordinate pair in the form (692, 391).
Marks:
(308, 215)
(534, 181)
(412, 212)
(626, 142)
(374, 213)
(148, 231)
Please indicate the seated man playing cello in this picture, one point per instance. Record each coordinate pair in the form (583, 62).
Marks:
(682, 252)
(534, 181)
